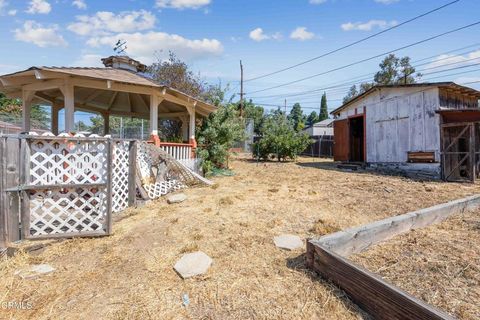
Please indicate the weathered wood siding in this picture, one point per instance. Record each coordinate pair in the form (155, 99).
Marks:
(454, 100)
(399, 120)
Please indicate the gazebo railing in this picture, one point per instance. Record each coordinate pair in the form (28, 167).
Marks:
(179, 151)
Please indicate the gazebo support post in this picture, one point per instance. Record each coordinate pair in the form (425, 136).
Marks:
(106, 123)
(69, 105)
(184, 128)
(154, 102)
(54, 125)
(192, 141)
(27, 97)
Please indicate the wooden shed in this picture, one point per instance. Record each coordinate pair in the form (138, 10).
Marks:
(431, 129)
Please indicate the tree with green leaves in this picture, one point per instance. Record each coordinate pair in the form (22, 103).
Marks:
(323, 108)
(11, 112)
(395, 70)
(392, 71)
(312, 118)
(256, 113)
(217, 136)
(279, 139)
(296, 117)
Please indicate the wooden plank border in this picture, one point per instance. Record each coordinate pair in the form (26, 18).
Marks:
(357, 239)
(382, 300)
(374, 295)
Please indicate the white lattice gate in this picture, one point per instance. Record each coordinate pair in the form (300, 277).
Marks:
(69, 186)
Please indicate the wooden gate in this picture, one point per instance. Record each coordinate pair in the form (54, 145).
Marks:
(63, 186)
(460, 151)
(341, 138)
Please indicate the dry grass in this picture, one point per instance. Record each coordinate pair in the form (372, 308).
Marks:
(439, 264)
(129, 275)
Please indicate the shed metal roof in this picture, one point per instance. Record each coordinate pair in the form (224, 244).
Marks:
(448, 84)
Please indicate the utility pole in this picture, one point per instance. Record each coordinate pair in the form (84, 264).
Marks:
(241, 89)
(285, 108)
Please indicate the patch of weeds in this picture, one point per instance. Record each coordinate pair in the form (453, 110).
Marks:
(225, 201)
(189, 247)
(322, 227)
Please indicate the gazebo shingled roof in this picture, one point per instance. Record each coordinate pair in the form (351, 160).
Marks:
(108, 91)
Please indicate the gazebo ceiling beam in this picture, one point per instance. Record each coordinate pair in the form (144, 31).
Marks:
(112, 100)
(46, 98)
(16, 81)
(44, 85)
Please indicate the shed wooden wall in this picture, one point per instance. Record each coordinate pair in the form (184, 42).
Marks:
(399, 120)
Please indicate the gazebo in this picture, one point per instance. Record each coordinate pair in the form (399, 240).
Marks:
(118, 89)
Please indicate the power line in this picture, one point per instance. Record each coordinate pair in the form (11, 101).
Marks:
(367, 76)
(371, 58)
(342, 88)
(355, 42)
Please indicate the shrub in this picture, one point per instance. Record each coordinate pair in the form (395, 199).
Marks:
(280, 140)
(218, 135)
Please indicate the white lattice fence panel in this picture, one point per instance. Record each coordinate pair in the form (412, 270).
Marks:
(67, 162)
(67, 211)
(120, 173)
(156, 190)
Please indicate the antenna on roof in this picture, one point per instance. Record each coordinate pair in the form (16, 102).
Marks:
(120, 47)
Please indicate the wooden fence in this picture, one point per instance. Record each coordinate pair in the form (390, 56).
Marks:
(63, 186)
(69, 186)
(321, 147)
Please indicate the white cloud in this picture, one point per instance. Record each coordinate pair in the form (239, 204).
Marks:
(317, 1)
(369, 25)
(80, 4)
(89, 60)
(386, 1)
(3, 9)
(182, 4)
(39, 6)
(146, 46)
(33, 32)
(104, 22)
(452, 61)
(301, 34)
(258, 35)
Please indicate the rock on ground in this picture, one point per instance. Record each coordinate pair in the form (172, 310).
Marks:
(193, 264)
(176, 198)
(35, 271)
(288, 242)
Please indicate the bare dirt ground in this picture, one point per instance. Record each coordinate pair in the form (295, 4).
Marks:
(129, 275)
(439, 264)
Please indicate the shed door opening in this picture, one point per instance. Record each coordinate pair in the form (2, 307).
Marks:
(357, 138)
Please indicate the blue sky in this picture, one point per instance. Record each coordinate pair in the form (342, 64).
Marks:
(213, 35)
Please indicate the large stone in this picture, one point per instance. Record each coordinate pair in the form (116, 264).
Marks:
(193, 264)
(35, 271)
(288, 242)
(176, 198)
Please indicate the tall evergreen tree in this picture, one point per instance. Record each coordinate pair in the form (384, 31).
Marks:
(323, 108)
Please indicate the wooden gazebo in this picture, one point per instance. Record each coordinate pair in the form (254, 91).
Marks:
(119, 89)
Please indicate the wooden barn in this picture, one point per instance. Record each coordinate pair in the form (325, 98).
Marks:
(428, 129)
